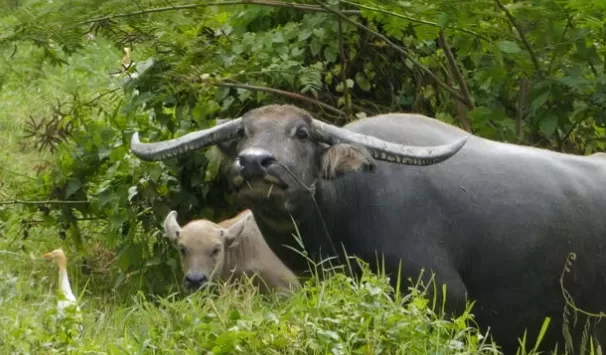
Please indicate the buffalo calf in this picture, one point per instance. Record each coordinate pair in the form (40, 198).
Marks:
(232, 248)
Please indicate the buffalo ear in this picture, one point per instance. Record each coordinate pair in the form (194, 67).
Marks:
(342, 158)
(172, 229)
(233, 233)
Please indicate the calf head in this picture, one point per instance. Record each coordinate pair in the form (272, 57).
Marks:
(202, 245)
(278, 151)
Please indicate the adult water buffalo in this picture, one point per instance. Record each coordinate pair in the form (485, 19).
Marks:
(494, 221)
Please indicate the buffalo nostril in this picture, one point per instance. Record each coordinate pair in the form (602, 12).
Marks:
(254, 162)
(267, 161)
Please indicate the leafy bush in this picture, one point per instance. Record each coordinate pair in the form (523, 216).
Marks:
(525, 72)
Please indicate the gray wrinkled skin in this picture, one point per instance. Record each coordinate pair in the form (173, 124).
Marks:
(495, 222)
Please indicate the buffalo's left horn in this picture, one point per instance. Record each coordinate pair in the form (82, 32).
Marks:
(387, 151)
(187, 143)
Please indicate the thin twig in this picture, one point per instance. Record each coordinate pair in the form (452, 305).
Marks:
(515, 24)
(412, 19)
(456, 73)
(17, 173)
(346, 94)
(407, 55)
(555, 51)
(455, 70)
(46, 202)
(281, 92)
(569, 131)
(99, 96)
(522, 104)
(273, 3)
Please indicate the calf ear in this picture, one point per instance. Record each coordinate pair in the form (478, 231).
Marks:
(172, 229)
(232, 233)
(341, 159)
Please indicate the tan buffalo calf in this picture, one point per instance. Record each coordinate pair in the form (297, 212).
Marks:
(227, 250)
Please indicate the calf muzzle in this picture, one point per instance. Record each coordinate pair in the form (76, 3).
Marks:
(194, 280)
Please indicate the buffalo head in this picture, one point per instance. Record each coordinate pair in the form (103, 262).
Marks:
(278, 151)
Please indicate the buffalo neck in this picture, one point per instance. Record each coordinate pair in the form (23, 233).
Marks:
(279, 232)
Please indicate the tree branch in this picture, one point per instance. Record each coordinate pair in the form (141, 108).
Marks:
(451, 70)
(292, 95)
(555, 51)
(46, 202)
(456, 73)
(346, 93)
(99, 97)
(515, 24)
(407, 55)
(412, 19)
(273, 3)
(522, 105)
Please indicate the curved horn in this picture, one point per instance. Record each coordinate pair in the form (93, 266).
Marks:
(387, 151)
(187, 143)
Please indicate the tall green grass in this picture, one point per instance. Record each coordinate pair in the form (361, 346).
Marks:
(337, 316)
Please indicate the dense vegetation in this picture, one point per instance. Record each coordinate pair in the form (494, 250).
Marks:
(77, 78)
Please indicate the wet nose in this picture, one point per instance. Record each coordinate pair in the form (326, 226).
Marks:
(254, 162)
(194, 280)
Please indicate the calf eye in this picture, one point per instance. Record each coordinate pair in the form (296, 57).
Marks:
(182, 250)
(215, 251)
(302, 134)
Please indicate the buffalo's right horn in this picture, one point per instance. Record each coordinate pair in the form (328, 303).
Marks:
(388, 151)
(187, 143)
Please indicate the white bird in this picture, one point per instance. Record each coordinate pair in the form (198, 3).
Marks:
(67, 305)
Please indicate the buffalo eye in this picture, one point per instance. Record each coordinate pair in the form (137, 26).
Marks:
(182, 250)
(241, 133)
(302, 134)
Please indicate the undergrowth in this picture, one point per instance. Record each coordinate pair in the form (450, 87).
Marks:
(337, 316)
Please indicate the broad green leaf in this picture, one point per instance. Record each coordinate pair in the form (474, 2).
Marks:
(315, 46)
(278, 37)
(304, 34)
(480, 114)
(542, 94)
(548, 124)
(575, 82)
(330, 54)
(72, 187)
(509, 46)
(362, 81)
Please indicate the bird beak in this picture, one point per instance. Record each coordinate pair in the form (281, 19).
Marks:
(47, 255)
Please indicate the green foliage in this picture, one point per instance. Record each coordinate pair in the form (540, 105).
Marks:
(338, 316)
(535, 72)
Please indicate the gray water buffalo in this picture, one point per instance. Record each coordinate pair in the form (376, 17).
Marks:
(494, 221)
(228, 250)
